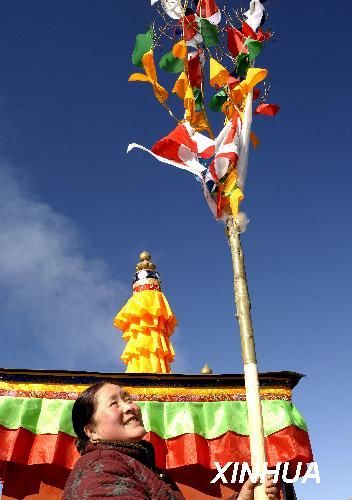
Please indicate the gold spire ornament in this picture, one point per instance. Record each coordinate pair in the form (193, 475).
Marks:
(145, 262)
(147, 322)
(206, 370)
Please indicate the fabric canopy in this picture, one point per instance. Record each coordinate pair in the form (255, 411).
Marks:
(192, 421)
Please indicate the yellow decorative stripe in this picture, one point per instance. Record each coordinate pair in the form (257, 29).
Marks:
(25, 386)
(21, 389)
(199, 391)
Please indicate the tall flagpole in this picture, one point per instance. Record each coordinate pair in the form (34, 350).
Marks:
(235, 139)
(243, 315)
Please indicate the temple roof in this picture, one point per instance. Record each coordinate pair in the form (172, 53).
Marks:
(286, 378)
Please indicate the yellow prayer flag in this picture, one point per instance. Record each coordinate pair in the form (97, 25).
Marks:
(228, 109)
(189, 104)
(218, 74)
(179, 50)
(150, 76)
(235, 198)
(199, 122)
(232, 192)
(181, 85)
(238, 94)
(255, 76)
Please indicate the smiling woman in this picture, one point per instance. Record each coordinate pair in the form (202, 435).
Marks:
(116, 418)
(115, 461)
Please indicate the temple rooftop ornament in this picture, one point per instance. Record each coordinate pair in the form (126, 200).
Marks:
(206, 370)
(147, 322)
(145, 262)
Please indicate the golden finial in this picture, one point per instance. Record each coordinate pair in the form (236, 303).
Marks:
(206, 370)
(144, 256)
(145, 262)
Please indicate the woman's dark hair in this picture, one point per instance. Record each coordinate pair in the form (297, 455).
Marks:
(83, 413)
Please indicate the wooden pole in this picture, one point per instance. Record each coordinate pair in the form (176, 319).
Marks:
(243, 307)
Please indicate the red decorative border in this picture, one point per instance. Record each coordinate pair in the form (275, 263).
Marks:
(39, 394)
(140, 288)
(23, 447)
(26, 459)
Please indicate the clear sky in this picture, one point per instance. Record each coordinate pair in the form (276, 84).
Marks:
(75, 210)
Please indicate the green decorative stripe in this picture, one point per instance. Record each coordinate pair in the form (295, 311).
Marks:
(168, 420)
(211, 420)
(40, 416)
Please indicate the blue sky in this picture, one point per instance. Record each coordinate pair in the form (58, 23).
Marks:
(75, 210)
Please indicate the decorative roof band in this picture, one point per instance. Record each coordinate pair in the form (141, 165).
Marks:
(71, 392)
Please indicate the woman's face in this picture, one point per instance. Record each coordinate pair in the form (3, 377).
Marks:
(117, 417)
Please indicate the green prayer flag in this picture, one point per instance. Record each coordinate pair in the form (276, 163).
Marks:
(170, 63)
(209, 33)
(144, 42)
(242, 64)
(218, 100)
(254, 48)
(198, 98)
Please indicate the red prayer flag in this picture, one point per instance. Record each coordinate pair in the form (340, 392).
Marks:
(263, 35)
(256, 93)
(235, 41)
(248, 32)
(195, 71)
(190, 27)
(207, 8)
(267, 109)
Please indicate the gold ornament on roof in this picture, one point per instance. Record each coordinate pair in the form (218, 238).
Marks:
(145, 262)
(206, 370)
